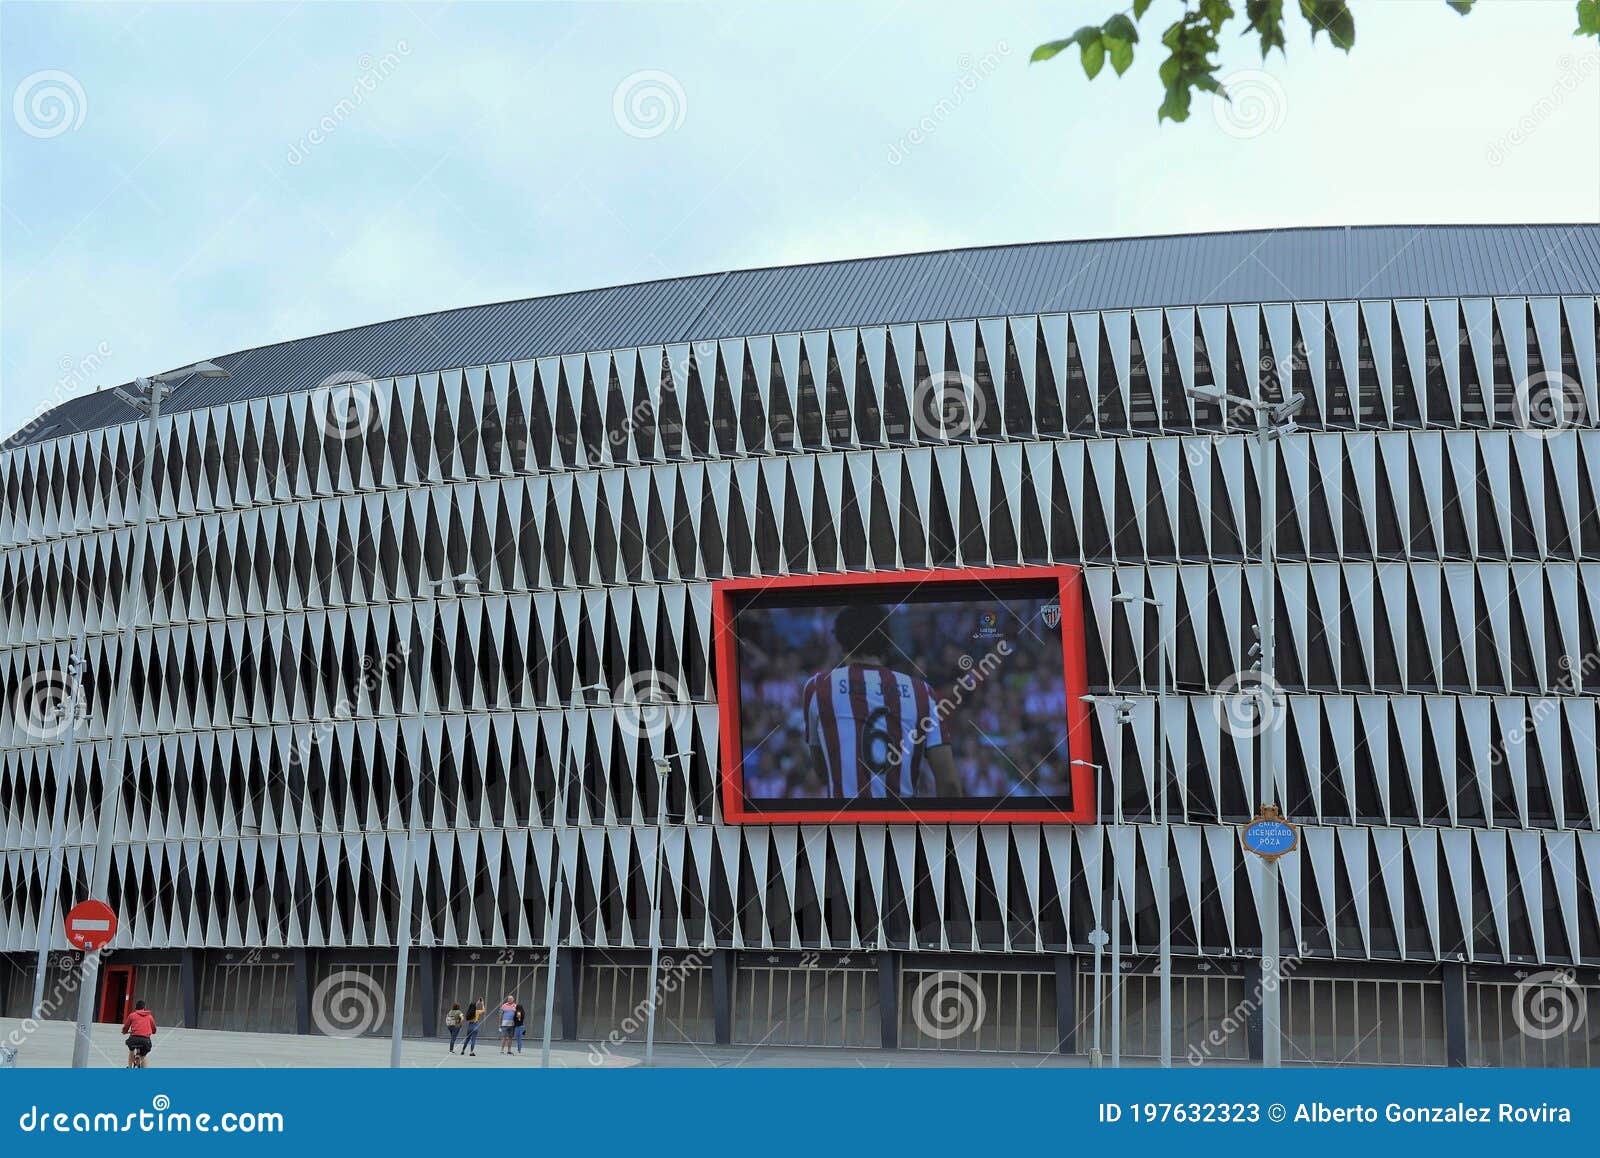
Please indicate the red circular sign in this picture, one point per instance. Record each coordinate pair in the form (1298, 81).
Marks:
(91, 925)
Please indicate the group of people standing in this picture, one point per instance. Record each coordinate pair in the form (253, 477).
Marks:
(513, 1021)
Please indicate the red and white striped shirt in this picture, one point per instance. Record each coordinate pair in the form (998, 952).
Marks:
(874, 727)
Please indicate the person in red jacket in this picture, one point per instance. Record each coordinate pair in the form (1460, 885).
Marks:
(139, 1029)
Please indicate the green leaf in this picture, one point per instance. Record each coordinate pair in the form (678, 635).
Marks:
(1266, 21)
(1046, 51)
(1461, 6)
(1087, 35)
(1176, 105)
(1119, 27)
(1342, 31)
(1332, 17)
(1121, 53)
(1140, 7)
(1588, 18)
(1094, 58)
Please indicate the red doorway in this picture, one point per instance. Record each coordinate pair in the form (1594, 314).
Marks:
(116, 995)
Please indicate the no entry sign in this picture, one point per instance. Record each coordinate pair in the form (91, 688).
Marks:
(91, 925)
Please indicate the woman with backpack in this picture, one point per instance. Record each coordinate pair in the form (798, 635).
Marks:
(452, 1022)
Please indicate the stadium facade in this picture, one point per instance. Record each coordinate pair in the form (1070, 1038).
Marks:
(595, 461)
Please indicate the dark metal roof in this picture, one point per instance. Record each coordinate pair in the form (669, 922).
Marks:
(1316, 264)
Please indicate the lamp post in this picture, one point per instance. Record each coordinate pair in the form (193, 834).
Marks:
(663, 767)
(1273, 420)
(1164, 877)
(146, 398)
(437, 589)
(1097, 938)
(1124, 718)
(554, 913)
(71, 709)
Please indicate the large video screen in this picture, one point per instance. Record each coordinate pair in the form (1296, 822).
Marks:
(952, 695)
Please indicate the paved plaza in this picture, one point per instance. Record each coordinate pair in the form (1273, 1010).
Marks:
(50, 1044)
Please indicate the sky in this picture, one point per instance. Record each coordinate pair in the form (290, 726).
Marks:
(179, 181)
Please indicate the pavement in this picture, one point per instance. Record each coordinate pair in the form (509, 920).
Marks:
(49, 1044)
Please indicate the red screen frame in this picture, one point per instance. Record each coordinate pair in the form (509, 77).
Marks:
(1069, 581)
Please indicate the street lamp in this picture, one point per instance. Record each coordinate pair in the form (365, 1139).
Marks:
(1124, 716)
(146, 398)
(663, 765)
(1273, 421)
(71, 709)
(553, 889)
(1097, 938)
(554, 912)
(448, 587)
(1164, 880)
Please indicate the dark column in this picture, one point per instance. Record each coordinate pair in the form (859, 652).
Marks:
(1066, 1003)
(1253, 993)
(302, 990)
(8, 984)
(723, 964)
(567, 966)
(189, 987)
(889, 998)
(430, 979)
(1455, 1014)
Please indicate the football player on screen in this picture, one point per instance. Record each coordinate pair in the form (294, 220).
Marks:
(874, 731)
